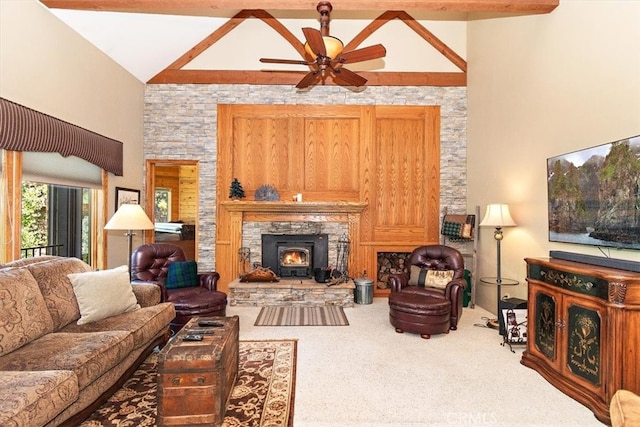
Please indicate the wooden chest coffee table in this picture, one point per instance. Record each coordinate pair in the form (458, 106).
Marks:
(195, 378)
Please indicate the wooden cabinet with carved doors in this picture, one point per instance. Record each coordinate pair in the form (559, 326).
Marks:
(583, 333)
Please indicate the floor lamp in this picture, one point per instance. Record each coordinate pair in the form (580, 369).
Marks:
(498, 216)
(129, 217)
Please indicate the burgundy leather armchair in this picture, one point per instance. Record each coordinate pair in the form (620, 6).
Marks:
(150, 263)
(436, 257)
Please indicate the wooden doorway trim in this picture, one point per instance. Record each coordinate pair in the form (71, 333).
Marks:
(149, 191)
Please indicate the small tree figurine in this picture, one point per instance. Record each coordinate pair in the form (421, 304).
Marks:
(236, 191)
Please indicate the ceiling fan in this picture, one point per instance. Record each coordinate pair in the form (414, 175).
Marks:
(326, 56)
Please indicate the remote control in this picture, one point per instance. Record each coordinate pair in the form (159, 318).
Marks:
(210, 323)
(192, 338)
(201, 332)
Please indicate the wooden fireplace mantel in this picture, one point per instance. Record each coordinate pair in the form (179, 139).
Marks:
(295, 207)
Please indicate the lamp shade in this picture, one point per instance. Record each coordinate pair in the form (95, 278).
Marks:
(497, 215)
(129, 217)
(332, 45)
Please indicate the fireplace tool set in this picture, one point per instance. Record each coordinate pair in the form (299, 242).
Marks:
(334, 276)
(340, 274)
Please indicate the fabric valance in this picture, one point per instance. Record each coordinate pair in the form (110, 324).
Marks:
(24, 129)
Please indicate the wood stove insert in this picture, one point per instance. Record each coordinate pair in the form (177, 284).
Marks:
(295, 255)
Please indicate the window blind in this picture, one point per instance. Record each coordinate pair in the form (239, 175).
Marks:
(52, 168)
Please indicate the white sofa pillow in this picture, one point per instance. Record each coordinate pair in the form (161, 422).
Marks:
(103, 294)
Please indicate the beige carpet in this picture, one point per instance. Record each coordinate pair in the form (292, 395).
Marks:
(301, 316)
(262, 396)
(367, 375)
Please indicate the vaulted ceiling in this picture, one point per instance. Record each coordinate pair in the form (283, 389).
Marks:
(166, 41)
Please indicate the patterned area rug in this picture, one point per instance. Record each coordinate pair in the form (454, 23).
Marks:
(326, 315)
(262, 396)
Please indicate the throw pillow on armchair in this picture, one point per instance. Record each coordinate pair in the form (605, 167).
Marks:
(182, 274)
(434, 278)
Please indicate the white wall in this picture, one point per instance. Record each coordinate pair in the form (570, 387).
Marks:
(46, 66)
(541, 86)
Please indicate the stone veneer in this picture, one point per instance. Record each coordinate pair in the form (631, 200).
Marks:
(290, 292)
(180, 122)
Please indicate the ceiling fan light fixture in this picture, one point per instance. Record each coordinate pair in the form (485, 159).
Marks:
(333, 45)
(325, 55)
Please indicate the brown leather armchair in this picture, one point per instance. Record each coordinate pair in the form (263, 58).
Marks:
(436, 257)
(150, 263)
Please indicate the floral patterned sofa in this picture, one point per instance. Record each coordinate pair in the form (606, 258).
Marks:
(70, 336)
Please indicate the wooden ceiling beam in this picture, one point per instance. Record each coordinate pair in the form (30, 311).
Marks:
(209, 7)
(293, 77)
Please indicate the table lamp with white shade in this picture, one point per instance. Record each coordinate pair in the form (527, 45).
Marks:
(129, 217)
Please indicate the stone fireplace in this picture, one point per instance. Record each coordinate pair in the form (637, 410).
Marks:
(251, 220)
(253, 232)
(295, 255)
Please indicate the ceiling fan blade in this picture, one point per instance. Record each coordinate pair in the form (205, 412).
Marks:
(364, 54)
(348, 77)
(315, 41)
(285, 61)
(308, 80)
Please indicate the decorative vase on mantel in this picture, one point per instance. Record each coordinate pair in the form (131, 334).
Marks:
(267, 193)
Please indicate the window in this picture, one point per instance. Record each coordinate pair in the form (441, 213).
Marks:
(57, 198)
(56, 220)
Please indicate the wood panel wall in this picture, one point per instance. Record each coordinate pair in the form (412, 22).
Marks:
(182, 180)
(169, 177)
(188, 181)
(385, 156)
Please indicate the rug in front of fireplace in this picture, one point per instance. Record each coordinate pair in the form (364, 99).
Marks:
(326, 315)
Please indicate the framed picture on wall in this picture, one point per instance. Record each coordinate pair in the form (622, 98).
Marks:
(126, 195)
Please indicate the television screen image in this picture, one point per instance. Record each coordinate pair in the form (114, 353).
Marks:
(594, 195)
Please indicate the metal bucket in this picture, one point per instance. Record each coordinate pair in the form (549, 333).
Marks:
(363, 293)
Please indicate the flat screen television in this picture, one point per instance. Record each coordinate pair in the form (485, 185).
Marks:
(594, 195)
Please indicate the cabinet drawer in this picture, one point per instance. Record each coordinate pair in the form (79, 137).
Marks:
(579, 283)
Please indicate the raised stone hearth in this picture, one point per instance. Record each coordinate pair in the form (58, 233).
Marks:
(304, 292)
